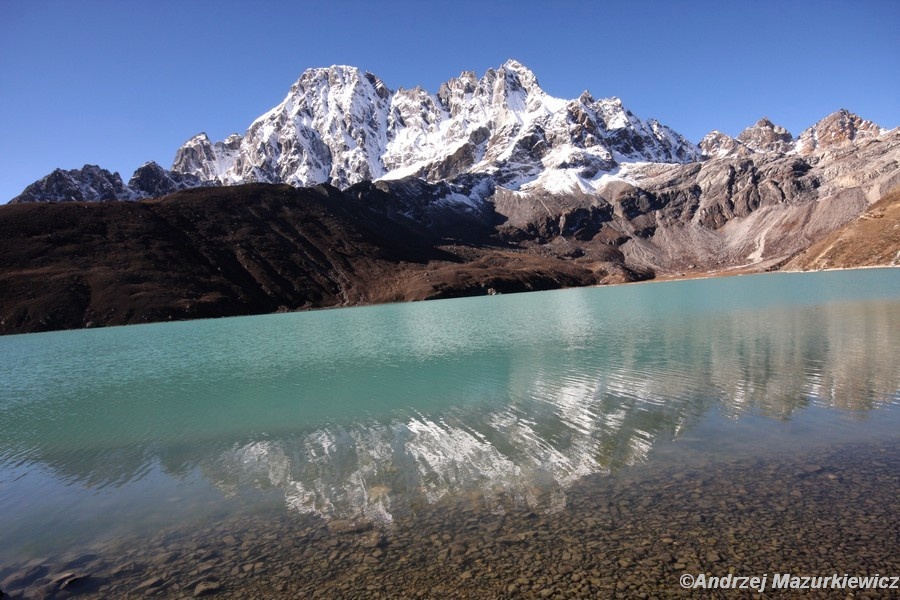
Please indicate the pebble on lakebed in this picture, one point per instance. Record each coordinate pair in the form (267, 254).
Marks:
(627, 535)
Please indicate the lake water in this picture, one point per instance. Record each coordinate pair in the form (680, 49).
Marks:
(296, 453)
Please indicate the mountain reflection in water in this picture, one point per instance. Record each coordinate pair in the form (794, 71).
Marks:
(559, 425)
(367, 415)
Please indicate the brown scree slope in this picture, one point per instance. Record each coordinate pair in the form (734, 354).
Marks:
(872, 240)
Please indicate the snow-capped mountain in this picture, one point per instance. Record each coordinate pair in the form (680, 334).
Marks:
(342, 126)
(502, 132)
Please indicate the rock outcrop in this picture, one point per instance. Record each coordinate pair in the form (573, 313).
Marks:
(719, 145)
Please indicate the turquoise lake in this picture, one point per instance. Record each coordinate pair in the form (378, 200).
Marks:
(375, 415)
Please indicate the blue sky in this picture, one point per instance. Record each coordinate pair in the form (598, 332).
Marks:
(118, 83)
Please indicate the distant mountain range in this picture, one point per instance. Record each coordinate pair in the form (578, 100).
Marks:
(490, 174)
(341, 126)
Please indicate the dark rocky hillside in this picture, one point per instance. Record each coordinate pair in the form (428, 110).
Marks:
(251, 249)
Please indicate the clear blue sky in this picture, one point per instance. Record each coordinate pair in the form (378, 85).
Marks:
(118, 83)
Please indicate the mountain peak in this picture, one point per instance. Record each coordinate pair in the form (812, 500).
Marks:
(766, 136)
(335, 77)
(838, 128)
(89, 183)
(333, 70)
(200, 138)
(716, 144)
(512, 64)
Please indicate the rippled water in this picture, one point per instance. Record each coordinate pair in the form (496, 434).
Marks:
(368, 414)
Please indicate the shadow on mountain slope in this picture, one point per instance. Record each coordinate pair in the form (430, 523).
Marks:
(251, 249)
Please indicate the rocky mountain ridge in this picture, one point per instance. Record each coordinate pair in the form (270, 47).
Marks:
(341, 126)
(92, 183)
(838, 128)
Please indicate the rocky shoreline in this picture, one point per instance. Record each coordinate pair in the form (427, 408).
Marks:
(626, 535)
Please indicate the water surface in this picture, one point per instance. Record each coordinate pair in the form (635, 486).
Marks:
(374, 414)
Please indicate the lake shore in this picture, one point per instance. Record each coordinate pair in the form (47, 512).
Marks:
(628, 534)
